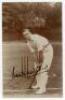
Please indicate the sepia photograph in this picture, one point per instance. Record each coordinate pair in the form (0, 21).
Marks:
(32, 49)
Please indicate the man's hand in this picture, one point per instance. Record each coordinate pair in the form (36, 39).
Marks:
(37, 66)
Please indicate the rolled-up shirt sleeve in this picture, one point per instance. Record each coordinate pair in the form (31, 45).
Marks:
(30, 48)
(39, 47)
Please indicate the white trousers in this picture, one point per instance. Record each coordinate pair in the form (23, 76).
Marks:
(42, 76)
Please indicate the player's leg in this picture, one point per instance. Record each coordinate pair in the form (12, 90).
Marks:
(42, 78)
(42, 83)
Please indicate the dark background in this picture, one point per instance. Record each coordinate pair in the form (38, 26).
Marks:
(17, 16)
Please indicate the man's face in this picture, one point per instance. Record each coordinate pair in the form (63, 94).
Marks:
(27, 35)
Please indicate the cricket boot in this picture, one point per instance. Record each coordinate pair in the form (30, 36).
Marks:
(40, 91)
(35, 87)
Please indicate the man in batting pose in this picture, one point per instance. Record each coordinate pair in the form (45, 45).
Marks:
(41, 47)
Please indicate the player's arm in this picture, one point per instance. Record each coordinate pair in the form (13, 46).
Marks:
(40, 54)
(39, 59)
(30, 48)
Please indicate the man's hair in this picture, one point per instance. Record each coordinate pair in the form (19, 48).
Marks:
(27, 29)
